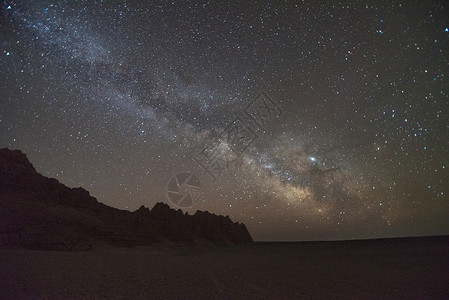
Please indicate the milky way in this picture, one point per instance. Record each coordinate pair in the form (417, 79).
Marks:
(119, 97)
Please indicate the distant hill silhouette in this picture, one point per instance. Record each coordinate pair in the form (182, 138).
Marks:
(41, 213)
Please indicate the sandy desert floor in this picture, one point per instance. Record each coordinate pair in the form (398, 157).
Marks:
(384, 269)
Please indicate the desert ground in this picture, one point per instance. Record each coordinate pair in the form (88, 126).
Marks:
(388, 269)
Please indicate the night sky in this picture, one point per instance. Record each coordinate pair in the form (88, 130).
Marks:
(302, 120)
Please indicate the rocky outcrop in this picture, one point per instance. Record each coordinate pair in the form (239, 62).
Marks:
(41, 213)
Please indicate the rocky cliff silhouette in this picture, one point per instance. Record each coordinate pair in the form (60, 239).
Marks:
(41, 213)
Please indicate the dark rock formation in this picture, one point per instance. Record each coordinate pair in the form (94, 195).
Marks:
(41, 213)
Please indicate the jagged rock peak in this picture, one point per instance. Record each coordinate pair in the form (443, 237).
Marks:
(161, 206)
(16, 157)
(143, 209)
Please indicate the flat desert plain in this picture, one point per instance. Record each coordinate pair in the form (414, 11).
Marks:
(411, 268)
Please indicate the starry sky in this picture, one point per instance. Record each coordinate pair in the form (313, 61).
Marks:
(329, 121)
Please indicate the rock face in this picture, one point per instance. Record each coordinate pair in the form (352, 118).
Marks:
(41, 213)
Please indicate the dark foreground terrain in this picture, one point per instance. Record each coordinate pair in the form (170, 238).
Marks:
(40, 213)
(412, 268)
